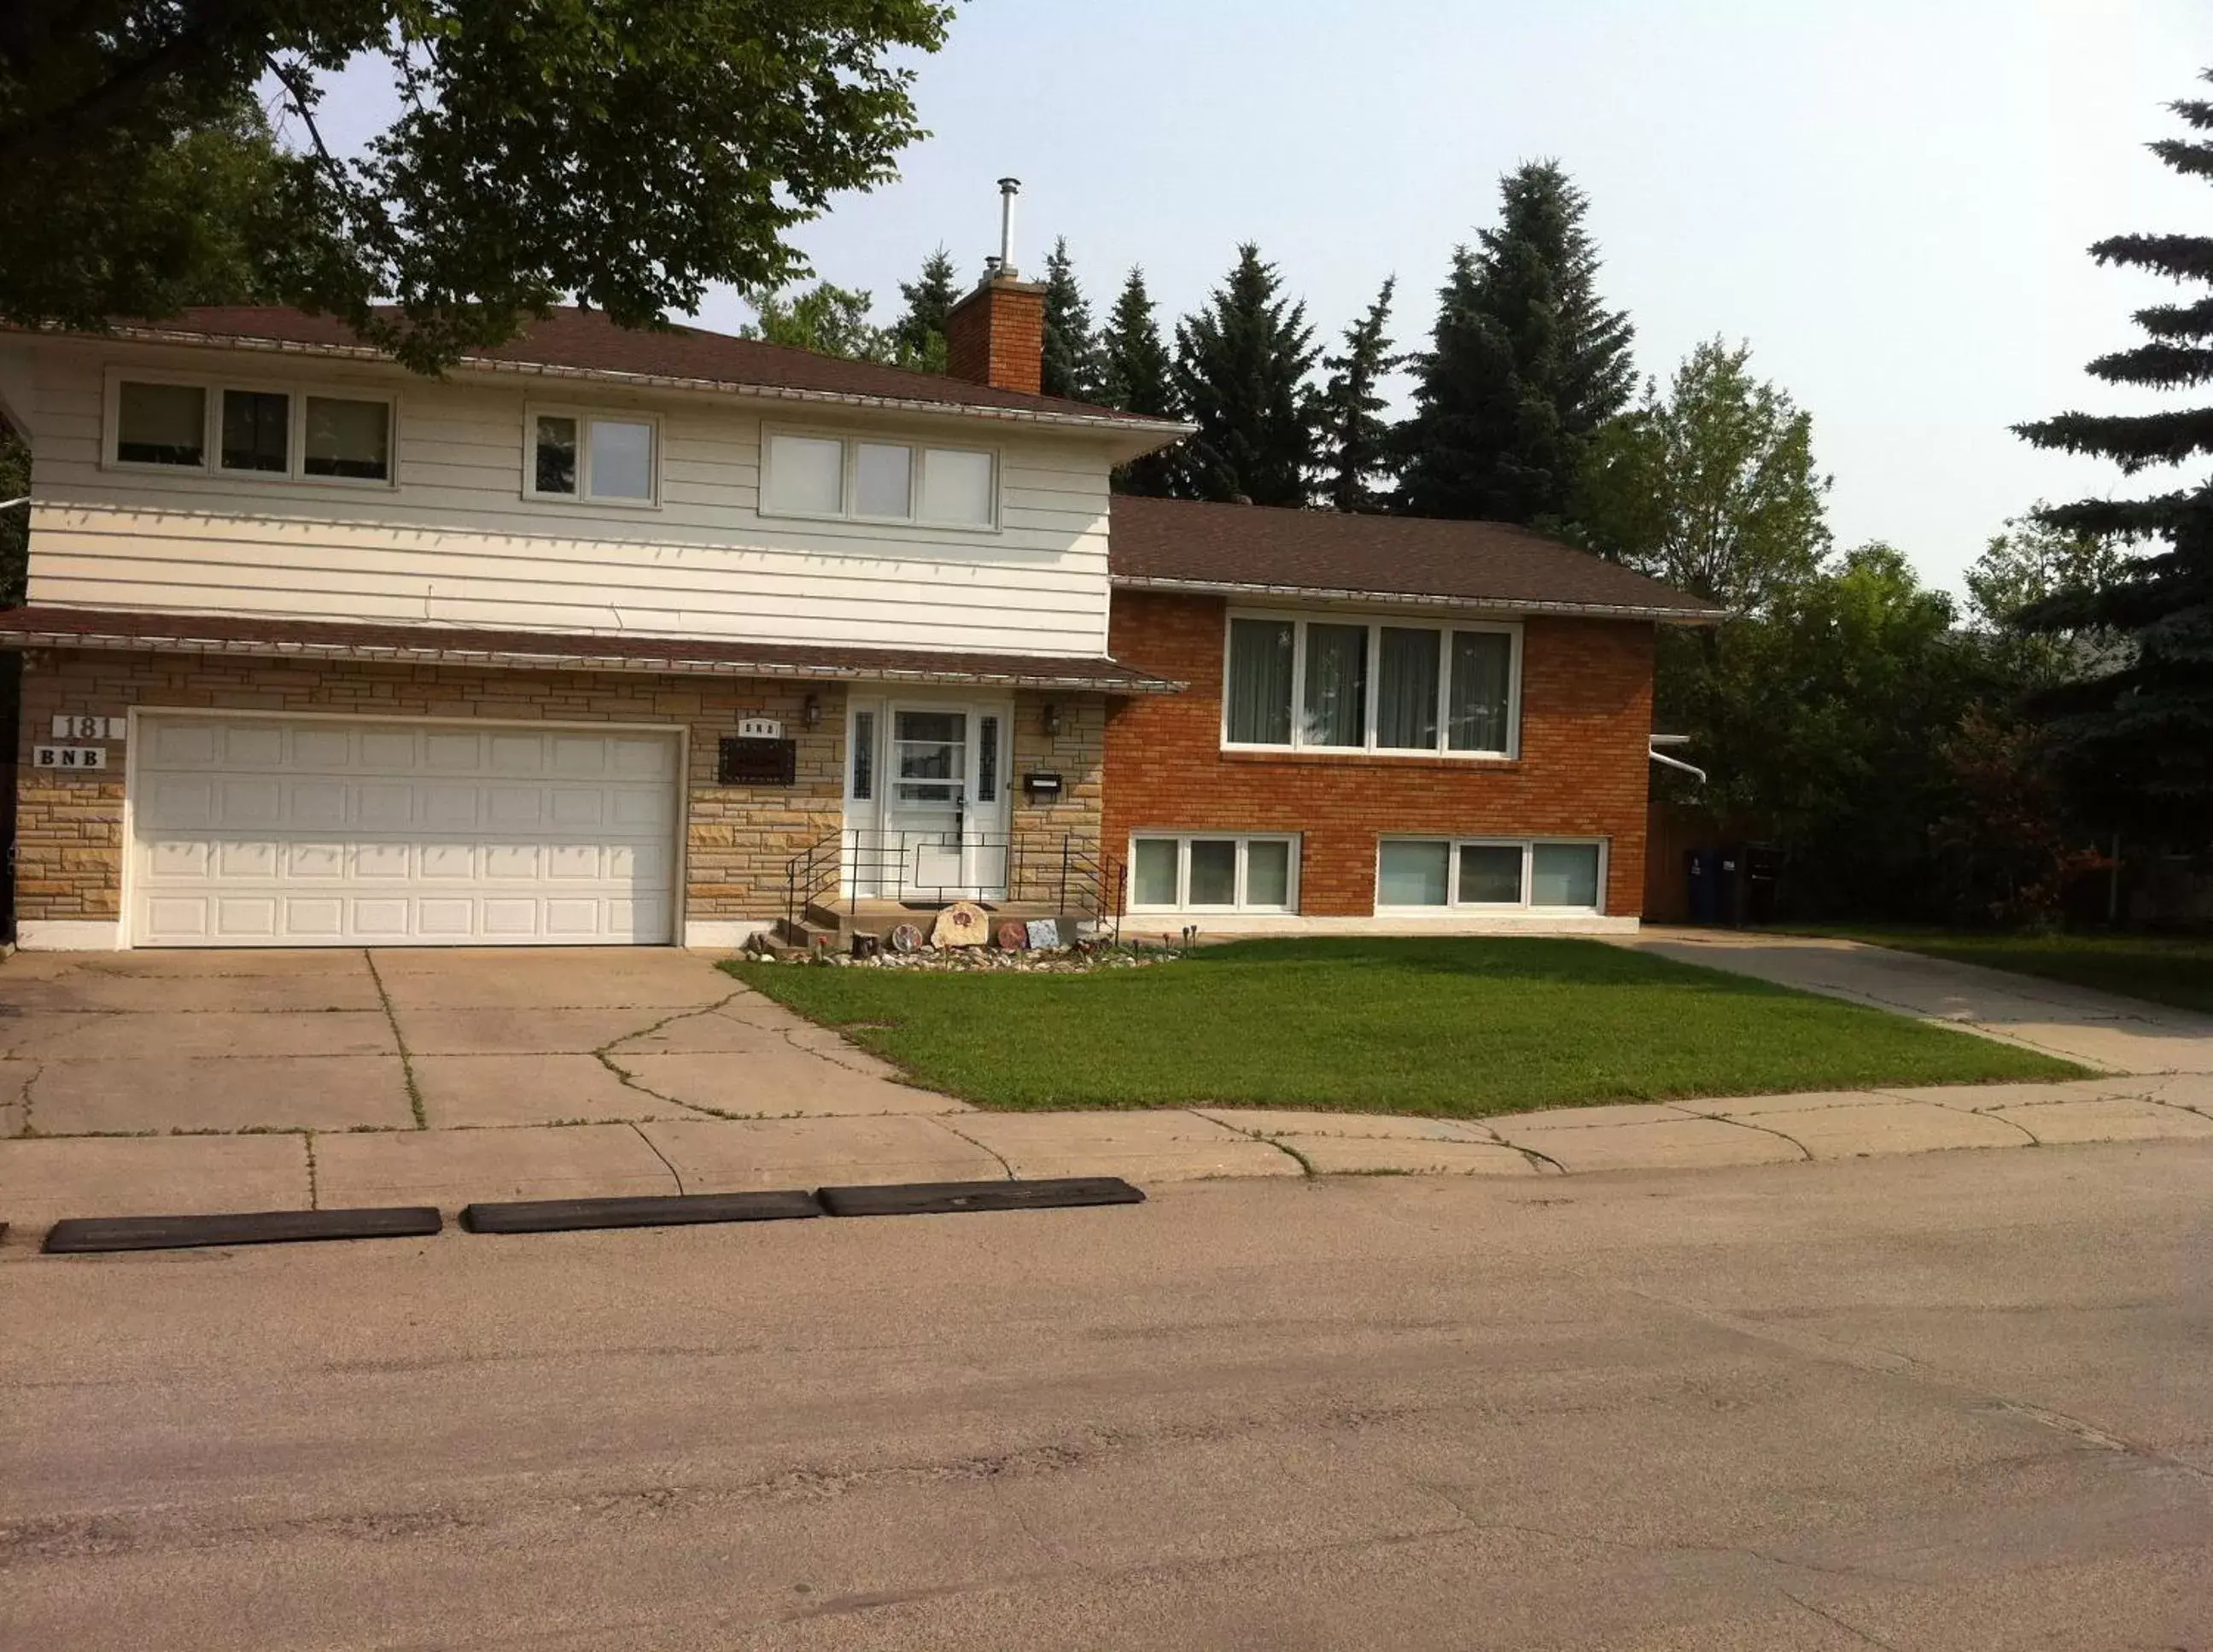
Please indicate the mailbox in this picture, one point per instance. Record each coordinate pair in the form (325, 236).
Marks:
(1041, 787)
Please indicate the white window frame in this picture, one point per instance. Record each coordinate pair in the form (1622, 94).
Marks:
(1528, 847)
(849, 490)
(1183, 840)
(584, 414)
(211, 389)
(1299, 619)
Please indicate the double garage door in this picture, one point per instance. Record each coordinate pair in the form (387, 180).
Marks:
(282, 832)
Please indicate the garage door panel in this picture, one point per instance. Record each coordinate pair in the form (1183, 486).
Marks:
(294, 832)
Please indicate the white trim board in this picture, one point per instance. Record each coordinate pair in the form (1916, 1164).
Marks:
(1215, 924)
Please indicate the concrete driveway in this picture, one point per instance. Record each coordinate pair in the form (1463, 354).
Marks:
(167, 1042)
(2113, 1034)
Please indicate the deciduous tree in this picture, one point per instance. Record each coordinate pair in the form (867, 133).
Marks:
(624, 154)
(828, 319)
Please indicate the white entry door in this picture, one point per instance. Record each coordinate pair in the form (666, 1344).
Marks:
(938, 831)
(300, 833)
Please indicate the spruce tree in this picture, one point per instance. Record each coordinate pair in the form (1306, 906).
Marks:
(1241, 370)
(919, 336)
(1138, 375)
(1524, 364)
(1354, 436)
(2136, 740)
(1071, 347)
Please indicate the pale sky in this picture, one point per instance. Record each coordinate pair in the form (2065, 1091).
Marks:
(1889, 199)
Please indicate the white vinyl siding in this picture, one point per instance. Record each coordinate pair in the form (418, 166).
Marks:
(452, 541)
(1355, 683)
(1213, 872)
(331, 831)
(1546, 875)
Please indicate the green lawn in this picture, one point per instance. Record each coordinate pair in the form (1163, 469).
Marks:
(1446, 1027)
(2175, 970)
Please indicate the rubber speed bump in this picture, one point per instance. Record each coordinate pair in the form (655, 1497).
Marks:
(80, 1236)
(945, 1197)
(655, 1211)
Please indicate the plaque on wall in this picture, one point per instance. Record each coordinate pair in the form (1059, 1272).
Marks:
(755, 762)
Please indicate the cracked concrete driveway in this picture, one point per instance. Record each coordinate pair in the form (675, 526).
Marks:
(163, 1043)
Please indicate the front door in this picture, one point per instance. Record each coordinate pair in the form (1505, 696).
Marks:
(940, 830)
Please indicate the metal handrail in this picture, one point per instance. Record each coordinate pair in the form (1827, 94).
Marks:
(1079, 877)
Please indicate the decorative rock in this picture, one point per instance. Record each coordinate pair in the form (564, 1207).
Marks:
(960, 924)
(1013, 935)
(905, 938)
(1045, 931)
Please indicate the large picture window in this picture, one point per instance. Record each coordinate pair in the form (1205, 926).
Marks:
(1350, 685)
(804, 475)
(1529, 874)
(1222, 872)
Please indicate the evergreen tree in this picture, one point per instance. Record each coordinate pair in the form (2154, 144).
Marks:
(1241, 370)
(1138, 375)
(1356, 440)
(1071, 347)
(1524, 364)
(919, 336)
(2136, 740)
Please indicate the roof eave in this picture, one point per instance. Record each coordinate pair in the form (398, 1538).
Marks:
(1159, 431)
(180, 639)
(1415, 599)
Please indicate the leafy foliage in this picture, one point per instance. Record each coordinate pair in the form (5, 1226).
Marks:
(2134, 739)
(828, 319)
(15, 524)
(2020, 571)
(1524, 364)
(1711, 488)
(1137, 375)
(1241, 369)
(1356, 449)
(625, 154)
(1071, 346)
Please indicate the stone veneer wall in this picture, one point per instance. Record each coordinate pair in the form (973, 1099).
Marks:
(69, 827)
(1078, 754)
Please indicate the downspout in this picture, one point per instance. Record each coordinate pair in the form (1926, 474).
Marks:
(1690, 768)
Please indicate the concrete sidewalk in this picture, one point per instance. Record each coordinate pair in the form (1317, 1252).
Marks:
(2095, 1029)
(44, 1179)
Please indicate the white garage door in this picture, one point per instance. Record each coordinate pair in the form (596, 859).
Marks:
(276, 832)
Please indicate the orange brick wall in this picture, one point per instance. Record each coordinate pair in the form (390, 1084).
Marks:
(995, 336)
(1585, 714)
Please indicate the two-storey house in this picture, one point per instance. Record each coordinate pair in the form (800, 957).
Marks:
(656, 638)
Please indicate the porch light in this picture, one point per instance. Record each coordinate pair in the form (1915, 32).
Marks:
(1051, 719)
(810, 711)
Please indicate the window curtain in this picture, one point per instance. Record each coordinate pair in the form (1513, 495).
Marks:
(1336, 685)
(1406, 712)
(1482, 668)
(1260, 682)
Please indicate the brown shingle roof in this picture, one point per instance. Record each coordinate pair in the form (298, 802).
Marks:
(318, 639)
(1176, 543)
(585, 341)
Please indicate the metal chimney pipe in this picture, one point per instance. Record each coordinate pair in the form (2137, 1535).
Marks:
(1009, 188)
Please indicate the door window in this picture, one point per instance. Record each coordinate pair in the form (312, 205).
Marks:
(930, 754)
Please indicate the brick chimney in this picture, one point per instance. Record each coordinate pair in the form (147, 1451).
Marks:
(996, 335)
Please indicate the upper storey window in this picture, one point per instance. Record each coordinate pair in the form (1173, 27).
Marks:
(805, 475)
(1342, 683)
(281, 435)
(603, 459)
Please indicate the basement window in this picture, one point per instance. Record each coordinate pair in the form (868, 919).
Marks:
(1490, 874)
(1208, 872)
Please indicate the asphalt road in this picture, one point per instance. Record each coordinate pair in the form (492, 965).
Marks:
(1961, 1400)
